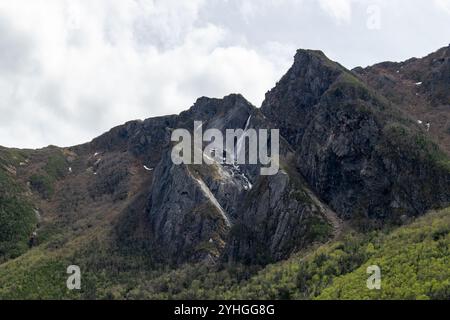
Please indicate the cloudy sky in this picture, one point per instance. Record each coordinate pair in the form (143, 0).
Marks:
(72, 69)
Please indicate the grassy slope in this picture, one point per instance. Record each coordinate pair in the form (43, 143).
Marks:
(414, 261)
(17, 218)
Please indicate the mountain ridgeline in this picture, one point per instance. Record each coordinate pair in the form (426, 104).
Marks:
(360, 150)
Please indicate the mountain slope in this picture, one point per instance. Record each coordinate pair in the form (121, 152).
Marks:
(359, 151)
(413, 260)
(18, 219)
(352, 156)
(420, 87)
(199, 212)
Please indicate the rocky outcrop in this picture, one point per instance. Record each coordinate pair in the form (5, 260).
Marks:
(350, 147)
(347, 139)
(420, 87)
(209, 212)
(187, 222)
(290, 102)
(278, 217)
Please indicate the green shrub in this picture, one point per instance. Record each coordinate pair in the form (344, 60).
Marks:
(17, 219)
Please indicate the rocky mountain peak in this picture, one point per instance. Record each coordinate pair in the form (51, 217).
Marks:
(288, 104)
(304, 54)
(209, 107)
(342, 154)
(344, 131)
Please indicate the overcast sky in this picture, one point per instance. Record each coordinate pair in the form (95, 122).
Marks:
(72, 69)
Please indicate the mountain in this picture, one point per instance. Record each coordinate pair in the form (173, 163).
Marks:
(420, 88)
(354, 159)
(356, 149)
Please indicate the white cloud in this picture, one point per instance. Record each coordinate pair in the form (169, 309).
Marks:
(443, 4)
(116, 61)
(341, 10)
(71, 69)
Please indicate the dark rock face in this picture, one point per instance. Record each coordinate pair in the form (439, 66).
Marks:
(200, 212)
(346, 137)
(349, 143)
(277, 219)
(437, 82)
(352, 146)
(142, 139)
(302, 87)
(336, 155)
(183, 215)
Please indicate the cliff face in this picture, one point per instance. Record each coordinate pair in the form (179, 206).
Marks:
(358, 150)
(222, 211)
(348, 145)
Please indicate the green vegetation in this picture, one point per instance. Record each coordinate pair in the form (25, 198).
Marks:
(401, 140)
(54, 169)
(43, 184)
(17, 219)
(414, 261)
(12, 157)
(56, 166)
(36, 275)
(349, 86)
(17, 222)
(319, 230)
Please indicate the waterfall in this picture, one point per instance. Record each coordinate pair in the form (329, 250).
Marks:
(241, 140)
